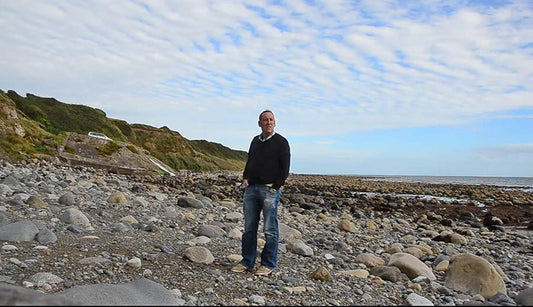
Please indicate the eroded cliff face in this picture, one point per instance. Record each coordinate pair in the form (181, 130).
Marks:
(118, 157)
(9, 120)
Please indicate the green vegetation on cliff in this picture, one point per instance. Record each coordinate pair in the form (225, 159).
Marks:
(46, 120)
(21, 137)
(59, 117)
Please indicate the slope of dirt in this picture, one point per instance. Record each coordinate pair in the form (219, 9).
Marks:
(117, 157)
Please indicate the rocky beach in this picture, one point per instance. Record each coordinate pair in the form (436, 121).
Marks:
(83, 236)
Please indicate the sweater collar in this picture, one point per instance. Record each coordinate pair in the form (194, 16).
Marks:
(267, 138)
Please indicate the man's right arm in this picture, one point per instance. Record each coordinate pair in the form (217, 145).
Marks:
(246, 171)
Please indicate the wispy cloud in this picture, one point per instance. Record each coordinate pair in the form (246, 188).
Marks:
(512, 151)
(206, 68)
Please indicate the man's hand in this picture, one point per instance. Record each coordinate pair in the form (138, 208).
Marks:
(245, 183)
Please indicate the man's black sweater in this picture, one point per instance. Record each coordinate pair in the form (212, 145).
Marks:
(268, 161)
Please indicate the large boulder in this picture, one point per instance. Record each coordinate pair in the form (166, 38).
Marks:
(75, 217)
(288, 234)
(189, 202)
(474, 275)
(370, 260)
(140, 292)
(411, 266)
(198, 254)
(390, 273)
(19, 231)
(525, 297)
(12, 295)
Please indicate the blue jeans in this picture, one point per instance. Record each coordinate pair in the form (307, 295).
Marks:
(257, 199)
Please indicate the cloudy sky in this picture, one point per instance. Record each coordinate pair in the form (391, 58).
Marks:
(357, 87)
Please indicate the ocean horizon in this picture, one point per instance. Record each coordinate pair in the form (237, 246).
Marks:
(514, 182)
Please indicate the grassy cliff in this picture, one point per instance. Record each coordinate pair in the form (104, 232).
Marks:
(46, 120)
(21, 137)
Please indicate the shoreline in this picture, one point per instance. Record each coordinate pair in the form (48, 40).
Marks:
(513, 206)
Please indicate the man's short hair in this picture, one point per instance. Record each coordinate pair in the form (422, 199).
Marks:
(265, 111)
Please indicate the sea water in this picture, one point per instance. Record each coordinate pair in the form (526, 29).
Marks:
(522, 183)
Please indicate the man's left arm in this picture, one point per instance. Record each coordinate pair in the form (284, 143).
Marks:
(284, 164)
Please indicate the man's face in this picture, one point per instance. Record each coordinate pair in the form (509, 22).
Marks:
(267, 123)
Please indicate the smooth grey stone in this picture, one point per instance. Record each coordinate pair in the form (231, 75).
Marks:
(138, 292)
(11, 295)
(19, 231)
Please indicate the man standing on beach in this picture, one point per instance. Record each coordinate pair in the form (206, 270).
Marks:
(265, 172)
